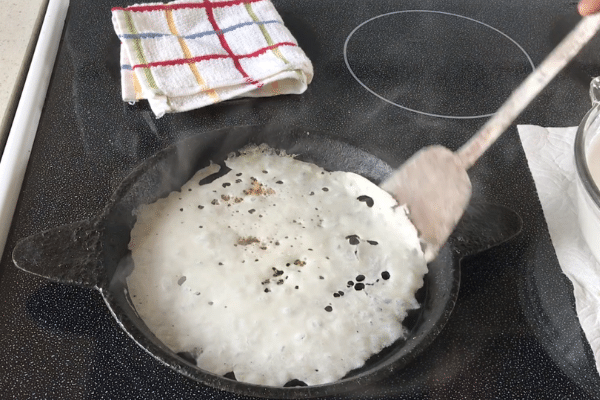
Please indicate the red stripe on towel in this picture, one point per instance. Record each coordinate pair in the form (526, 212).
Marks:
(225, 45)
(211, 57)
(178, 6)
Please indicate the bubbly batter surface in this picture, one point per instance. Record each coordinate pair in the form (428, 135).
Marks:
(277, 270)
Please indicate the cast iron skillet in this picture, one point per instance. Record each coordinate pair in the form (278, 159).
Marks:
(87, 253)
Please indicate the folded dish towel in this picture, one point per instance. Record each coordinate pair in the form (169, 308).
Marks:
(549, 153)
(188, 54)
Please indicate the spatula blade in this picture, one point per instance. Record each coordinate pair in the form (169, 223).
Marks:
(436, 189)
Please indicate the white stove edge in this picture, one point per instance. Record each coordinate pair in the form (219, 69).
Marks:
(15, 157)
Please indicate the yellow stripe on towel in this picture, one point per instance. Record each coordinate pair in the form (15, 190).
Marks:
(188, 55)
(137, 88)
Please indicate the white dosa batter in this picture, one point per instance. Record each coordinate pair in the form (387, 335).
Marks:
(276, 271)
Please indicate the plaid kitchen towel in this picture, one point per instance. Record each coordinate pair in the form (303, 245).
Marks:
(188, 54)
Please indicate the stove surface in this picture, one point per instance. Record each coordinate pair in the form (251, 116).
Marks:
(390, 78)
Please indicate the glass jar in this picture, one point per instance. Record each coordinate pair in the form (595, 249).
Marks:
(588, 190)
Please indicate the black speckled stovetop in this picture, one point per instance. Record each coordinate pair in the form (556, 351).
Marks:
(514, 332)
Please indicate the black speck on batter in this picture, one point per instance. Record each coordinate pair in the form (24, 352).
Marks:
(279, 182)
(325, 189)
(350, 283)
(366, 199)
(200, 207)
(353, 239)
(359, 286)
(360, 278)
(226, 184)
(385, 275)
(329, 309)
(374, 243)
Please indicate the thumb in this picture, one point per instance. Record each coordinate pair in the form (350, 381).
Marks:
(587, 7)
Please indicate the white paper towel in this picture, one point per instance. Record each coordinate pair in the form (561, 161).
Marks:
(550, 156)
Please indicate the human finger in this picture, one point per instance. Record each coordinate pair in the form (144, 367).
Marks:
(587, 7)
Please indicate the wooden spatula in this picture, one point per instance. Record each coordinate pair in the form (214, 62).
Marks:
(434, 184)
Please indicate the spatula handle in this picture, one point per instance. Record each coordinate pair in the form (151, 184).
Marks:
(529, 89)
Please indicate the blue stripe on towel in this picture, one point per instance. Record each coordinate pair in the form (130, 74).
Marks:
(151, 35)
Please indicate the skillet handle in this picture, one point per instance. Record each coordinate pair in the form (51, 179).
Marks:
(66, 254)
(483, 226)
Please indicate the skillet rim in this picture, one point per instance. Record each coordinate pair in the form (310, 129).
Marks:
(167, 357)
